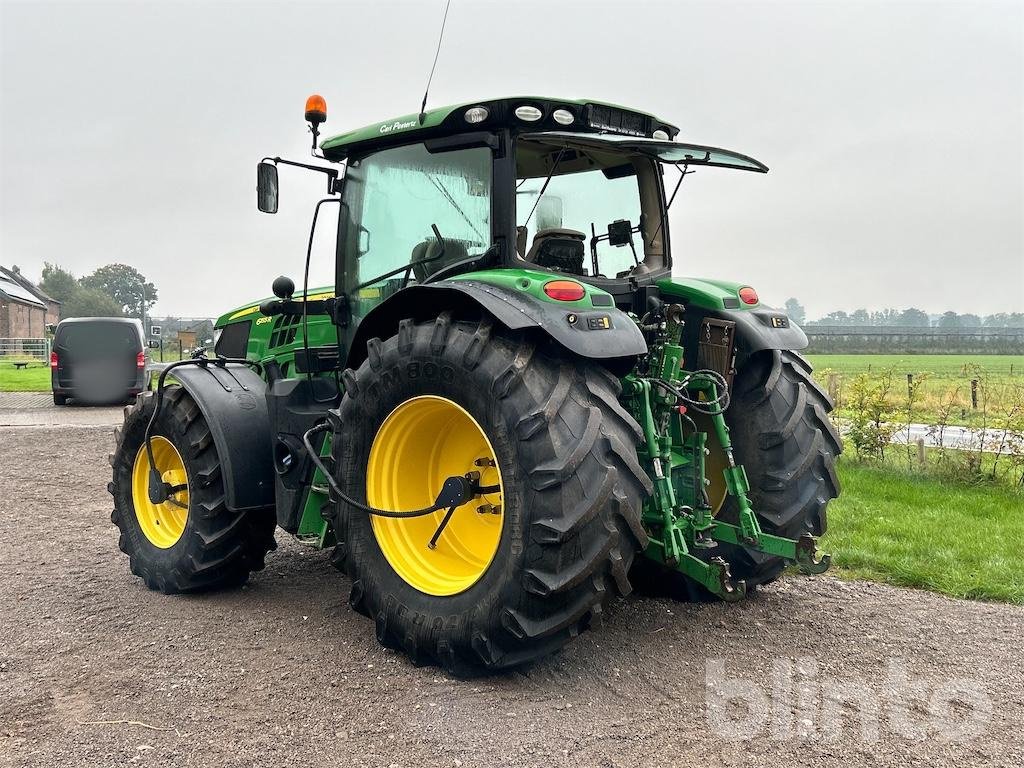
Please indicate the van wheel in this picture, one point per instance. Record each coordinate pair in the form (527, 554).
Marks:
(60, 399)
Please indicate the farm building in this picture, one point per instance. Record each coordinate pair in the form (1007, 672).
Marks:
(25, 310)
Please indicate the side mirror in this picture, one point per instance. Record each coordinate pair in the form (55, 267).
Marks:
(266, 187)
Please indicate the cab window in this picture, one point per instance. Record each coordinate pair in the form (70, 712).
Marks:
(394, 200)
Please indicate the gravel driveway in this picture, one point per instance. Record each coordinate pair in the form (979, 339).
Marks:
(97, 670)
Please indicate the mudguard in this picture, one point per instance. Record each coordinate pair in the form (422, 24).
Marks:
(764, 328)
(595, 330)
(234, 403)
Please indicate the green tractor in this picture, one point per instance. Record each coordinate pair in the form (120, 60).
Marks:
(506, 410)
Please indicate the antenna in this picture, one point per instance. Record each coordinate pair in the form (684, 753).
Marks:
(440, 37)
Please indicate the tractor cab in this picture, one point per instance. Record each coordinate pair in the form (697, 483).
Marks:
(575, 188)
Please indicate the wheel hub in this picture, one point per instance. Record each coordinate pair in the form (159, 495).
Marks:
(422, 445)
(161, 523)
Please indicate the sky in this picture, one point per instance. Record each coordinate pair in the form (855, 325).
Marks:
(129, 132)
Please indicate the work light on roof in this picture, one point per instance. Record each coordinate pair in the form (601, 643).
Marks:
(563, 116)
(528, 113)
(660, 135)
(476, 114)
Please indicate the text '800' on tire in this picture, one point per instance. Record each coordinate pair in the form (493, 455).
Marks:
(192, 541)
(518, 571)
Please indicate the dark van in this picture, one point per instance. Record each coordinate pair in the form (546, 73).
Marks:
(98, 360)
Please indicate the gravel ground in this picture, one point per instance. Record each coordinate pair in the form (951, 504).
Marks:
(97, 670)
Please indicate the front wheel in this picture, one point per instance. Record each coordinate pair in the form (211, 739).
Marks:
(526, 565)
(191, 541)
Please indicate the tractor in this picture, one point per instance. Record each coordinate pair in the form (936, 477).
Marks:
(506, 411)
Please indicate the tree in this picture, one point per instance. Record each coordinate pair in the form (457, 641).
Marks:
(796, 311)
(839, 317)
(949, 320)
(58, 283)
(885, 317)
(970, 320)
(860, 317)
(998, 320)
(90, 302)
(125, 285)
(913, 318)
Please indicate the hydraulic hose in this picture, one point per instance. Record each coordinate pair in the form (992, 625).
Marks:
(443, 502)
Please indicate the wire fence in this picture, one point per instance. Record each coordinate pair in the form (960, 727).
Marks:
(838, 339)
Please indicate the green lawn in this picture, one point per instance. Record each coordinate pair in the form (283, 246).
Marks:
(961, 540)
(35, 378)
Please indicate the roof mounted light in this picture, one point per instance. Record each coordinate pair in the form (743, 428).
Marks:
(748, 295)
(660, 135)
(476, 114)
(563, 116)
(528, 113)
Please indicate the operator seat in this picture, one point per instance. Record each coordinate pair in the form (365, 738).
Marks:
(454, 250)
(560, 249)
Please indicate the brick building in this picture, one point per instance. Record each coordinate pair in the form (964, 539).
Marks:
(25, 310)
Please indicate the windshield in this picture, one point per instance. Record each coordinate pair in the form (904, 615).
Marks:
(396, 197)
(587, 212)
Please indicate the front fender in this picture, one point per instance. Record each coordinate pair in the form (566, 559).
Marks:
(233, 400)
(591, 328)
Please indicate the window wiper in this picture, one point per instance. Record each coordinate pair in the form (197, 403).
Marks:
(684, 171)
(551, 173)
(455, 205)
(406, 267)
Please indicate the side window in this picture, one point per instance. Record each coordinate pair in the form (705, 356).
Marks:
(395, 196)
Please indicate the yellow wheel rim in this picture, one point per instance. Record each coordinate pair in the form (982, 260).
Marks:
(422, 443)
(164, 523)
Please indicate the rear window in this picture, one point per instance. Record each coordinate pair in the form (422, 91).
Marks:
(99, 339)
(234, 340)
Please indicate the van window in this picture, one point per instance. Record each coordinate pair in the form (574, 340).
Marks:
(98, 339)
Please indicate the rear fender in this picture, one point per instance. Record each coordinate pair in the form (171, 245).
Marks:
(588, 329)
(233, 400)
(758, 327)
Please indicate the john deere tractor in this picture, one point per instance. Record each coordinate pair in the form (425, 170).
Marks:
(505, 410)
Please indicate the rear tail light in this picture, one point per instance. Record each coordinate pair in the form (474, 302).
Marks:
(53, 359)
(564, 290)
(748, 295)
(140, 360)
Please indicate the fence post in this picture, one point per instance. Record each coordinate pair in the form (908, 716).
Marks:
(920, 452)
(974, 394)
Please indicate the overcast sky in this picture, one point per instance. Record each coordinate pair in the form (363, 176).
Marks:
(129, 132)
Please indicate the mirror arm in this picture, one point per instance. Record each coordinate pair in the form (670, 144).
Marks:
(334, 184)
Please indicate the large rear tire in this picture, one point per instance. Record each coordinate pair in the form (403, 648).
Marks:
(192, 542)
(539, 572)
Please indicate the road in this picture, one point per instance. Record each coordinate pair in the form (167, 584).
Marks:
(97, 670)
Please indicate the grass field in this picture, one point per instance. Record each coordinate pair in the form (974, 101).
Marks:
(960, 540)
(36, 378)
(946, 386)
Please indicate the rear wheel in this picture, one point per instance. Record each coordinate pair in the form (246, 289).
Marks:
(520, 570)
(192, 541)
(60, 399)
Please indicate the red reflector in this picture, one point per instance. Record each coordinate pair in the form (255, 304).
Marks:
(53, 359)
(140, 360)
(748, 295)
(564, 290)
